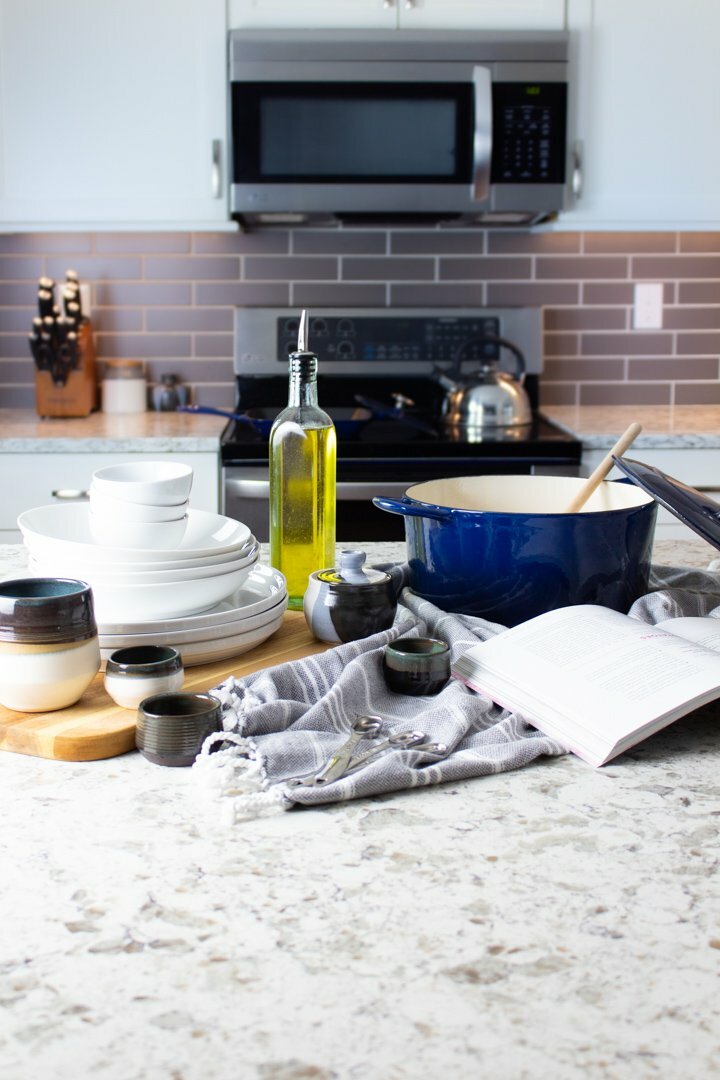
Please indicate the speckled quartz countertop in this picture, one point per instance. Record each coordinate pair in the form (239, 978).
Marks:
(555, 922)
(22, 431)
(663, 427)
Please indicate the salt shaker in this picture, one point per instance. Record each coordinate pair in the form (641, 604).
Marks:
(349, 602)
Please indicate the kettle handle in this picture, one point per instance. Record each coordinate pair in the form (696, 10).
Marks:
(493, 339)
(411, 508)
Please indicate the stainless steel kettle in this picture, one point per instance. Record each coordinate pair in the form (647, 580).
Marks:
(487, 397)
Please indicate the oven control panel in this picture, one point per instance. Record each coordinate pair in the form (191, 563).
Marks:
(379, 339)
(387, 341)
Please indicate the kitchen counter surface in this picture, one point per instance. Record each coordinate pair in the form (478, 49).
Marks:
(686, 426)
(22, 431)
(555, 922)
(664, 427)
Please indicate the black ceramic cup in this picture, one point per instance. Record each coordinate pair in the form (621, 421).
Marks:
(171, 728)
(416, 666)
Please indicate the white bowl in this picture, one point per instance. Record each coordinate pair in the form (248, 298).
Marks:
(141, 535)
(158, 576)
(169, 600)
(63, 529)
(106, 506)
(156, 483)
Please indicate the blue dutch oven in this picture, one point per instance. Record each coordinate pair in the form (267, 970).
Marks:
(502, 548)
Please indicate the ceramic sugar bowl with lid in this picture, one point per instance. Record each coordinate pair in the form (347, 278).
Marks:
(349, 602)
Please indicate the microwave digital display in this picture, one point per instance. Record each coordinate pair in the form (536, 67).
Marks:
(352, 133)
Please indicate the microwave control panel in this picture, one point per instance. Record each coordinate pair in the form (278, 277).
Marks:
(529, 124)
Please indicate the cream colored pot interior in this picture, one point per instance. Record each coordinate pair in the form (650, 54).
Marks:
(525, 494)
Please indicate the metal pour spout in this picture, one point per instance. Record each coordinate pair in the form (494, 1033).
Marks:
(302, 345)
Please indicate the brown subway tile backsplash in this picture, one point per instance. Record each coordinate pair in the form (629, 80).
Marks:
(168, 298)
(338, 294)
(492, 268)
(585, 318)
(437, 243)
(676, 266)
(528, 243)
(144, 294)
(140, 243)
(698, 394)
(679, 369)
(623, 393)
(387, 269)
(637, 343)
(332, 242)
(628, 243)
(700, 241)
(193, 268)
(594, 266)
(699, 292)
(437, 295)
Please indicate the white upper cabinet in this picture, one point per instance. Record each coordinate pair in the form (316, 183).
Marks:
(394, 14)
(647, 112)
(113, 113)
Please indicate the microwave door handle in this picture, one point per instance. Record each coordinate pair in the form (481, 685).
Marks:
(482, 135)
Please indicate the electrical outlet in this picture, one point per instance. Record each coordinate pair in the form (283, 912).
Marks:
(648, 306)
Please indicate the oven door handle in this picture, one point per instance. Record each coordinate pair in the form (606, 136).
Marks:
(241, 488)
(482, 134)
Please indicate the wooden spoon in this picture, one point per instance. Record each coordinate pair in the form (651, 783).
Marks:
(603, 469)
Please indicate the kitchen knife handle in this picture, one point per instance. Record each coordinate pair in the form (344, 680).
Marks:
(216, 169)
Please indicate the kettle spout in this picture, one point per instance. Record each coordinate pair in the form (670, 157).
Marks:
(444, 379)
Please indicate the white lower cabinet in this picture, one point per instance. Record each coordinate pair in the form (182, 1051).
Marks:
(695, 466)
(29, 480)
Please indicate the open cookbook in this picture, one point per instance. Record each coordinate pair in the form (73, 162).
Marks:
(595, 680)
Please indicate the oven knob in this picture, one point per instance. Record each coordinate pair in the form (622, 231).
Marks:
(345, 328)
(318, 328)
(292, 326)
(345, 350)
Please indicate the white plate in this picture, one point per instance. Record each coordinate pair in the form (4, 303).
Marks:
(179, 638)
(63, 528)
(207, 652)
(262, 589)
(173, 600)
(47, 567)
(72, 566)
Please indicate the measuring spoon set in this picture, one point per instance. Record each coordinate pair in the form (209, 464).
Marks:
(345, 762)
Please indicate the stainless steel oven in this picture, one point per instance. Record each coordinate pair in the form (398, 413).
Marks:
(384, 359)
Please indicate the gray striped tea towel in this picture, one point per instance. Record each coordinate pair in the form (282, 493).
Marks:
(286, 721)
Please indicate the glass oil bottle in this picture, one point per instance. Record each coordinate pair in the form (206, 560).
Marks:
(302, 453)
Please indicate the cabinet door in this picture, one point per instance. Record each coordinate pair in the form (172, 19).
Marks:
(110, 111)
(312, 14)
(646, 110)
(481, 14)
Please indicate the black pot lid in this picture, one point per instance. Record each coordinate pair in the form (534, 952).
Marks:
(692, 507)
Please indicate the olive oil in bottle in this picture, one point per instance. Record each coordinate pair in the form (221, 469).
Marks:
(302, 456)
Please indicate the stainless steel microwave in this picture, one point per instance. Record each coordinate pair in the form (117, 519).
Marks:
(383, 126)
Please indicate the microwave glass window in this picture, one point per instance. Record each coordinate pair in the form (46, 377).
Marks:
(352, 133)
(303, 136)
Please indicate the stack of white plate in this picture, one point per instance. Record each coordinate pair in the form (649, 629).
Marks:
(237, 624)
(147, 591)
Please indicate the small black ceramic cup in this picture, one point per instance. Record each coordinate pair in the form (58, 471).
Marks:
(416, 665)
(171, 728)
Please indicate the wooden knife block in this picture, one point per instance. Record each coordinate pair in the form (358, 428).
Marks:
(79, 395)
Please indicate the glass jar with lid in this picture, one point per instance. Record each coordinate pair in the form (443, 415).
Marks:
(124, 387)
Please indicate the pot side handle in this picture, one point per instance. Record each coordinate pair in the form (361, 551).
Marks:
(409, 508)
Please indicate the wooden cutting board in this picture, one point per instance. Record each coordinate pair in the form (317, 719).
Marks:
(95, 727)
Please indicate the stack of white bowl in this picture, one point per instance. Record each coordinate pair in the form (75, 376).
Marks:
(156, 566)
